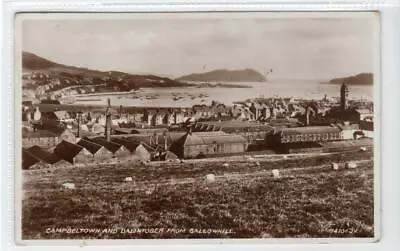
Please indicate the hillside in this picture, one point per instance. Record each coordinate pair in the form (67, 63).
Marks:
(308, 200)
(360, 79)
(246, 75)
(31, 61)
(44, 71)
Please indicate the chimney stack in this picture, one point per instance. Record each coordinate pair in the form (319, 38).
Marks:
(165, 142)
(79, 124)
(308, 116)
(108, 122)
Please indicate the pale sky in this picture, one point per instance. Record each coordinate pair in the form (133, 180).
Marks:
(305, 48)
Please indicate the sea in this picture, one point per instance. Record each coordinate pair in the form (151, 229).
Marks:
(189, 96)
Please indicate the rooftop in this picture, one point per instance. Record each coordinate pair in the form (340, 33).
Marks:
(309, 130)
(90, 146)
(67, 150)
(109, 145)
(43, 155)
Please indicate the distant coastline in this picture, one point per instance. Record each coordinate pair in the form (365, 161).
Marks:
(223, 75)
(221, 85)
(362, 79)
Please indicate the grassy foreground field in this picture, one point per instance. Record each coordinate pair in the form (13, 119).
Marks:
(171, 200)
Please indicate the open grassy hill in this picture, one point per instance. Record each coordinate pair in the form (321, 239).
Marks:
(119, 80)
(308, 200)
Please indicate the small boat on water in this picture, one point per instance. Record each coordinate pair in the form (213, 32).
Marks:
(151, 97)
(89, 99)
(177, 98)
(203, 95)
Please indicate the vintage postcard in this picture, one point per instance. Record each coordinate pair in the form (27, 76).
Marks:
(259, 126)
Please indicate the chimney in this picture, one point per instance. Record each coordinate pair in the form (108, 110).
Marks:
(108, 122)
(79, 124)
(156, 139)
(165, 142)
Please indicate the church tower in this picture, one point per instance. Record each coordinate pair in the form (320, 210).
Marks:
(344, 94)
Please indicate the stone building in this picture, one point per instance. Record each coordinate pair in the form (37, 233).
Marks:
(304, 134)
(72, 153)
(136, 148)
(117, 150)
(99, 152)
(205, 144)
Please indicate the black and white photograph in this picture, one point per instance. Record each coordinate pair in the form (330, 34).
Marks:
(257, 125)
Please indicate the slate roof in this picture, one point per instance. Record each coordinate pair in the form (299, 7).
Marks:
(129, 144)
(67, 150)
(43, 155)
(90, 146)
(109, 145)
(234, 126)
(308, 130)
(124, 130)
(189, 139)
(28, 159)
(57, 129)
(149, 130)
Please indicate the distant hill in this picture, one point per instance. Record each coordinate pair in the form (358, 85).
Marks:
(116, 80)
(360, 79)
(246, 75)
(33, 62)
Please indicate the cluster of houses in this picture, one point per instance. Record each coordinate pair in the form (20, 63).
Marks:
(52, 137)
(54, 86)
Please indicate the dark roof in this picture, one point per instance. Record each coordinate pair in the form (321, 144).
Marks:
(129, 144)
(234, 124)
(309, 130)
(124, 130)
(149, 130)
(43, 155)
(190, 139)
(109, 145)
(67, 150)
(57, 129)
(89, 145)
(28, 159)
(49, 115)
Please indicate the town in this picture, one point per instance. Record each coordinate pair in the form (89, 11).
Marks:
(59, 135)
